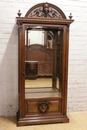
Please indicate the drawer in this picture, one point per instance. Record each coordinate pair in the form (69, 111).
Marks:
(42, 106)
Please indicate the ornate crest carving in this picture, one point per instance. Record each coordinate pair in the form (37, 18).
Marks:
(43, 106)
(45, 10)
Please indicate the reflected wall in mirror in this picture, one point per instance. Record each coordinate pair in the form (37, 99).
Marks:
(35, 37)
(41, 50)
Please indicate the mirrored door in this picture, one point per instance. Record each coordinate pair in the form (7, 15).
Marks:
(43, 55)
(38, 58)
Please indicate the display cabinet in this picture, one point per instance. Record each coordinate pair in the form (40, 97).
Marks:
(43, 42)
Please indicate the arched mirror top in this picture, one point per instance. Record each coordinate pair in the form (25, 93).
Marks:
(45, 10)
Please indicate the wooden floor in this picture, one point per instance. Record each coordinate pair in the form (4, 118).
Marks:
(39, 82)
(78, 121)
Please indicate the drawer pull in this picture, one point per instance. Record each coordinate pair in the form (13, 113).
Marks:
(43, 106)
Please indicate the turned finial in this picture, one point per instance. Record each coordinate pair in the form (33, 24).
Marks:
(19, 13)
(70, 16)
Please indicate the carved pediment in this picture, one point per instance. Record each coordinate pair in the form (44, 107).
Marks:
(40, 13)
(45, 10)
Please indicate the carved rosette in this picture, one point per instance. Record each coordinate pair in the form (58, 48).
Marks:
(43, 106)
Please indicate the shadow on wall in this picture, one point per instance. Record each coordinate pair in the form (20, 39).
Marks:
(9, 76)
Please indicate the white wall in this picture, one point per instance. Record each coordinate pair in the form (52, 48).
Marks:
(77, 85)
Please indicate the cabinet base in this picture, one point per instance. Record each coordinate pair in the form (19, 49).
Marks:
(37, 121)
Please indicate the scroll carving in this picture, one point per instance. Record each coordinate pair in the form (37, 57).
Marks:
(45, 11)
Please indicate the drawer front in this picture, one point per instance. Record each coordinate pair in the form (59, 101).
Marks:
(42, 106)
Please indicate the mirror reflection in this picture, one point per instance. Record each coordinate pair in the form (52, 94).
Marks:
(40, 47)
(35, 37)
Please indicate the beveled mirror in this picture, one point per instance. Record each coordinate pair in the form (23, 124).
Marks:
(38, 60)
(42, 46)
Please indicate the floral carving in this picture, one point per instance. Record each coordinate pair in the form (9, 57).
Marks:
(45, 11)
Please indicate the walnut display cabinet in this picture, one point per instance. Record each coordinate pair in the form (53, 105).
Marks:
(43, 42)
